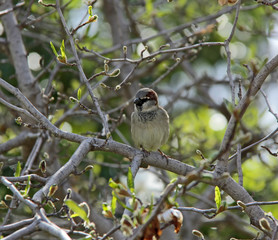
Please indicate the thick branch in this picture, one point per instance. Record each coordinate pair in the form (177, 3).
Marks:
(17, 141)
(19, 56)
(64, 171)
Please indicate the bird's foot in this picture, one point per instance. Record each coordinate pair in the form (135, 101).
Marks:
(146, 153)
(164, 156)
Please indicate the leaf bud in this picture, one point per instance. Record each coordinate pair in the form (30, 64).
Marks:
(125, 49)
(18, 121)
(106, 67)
(115, 73)
(103, 85)
(118, 87)
(197, 233)
(42, 166)
(3, 205)
(53, 188)
(73, 100)
(265, 224)
(8, 197)
(89, 167)
(241, 204)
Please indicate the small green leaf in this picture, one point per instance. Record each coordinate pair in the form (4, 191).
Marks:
(90, 10)
(130, 182)
(122, 203)
(104, 206)
(18, 170)
(149, 6)
(217, 197)
(79, 211)
(53, 49)
(150, 209)
(63, 49)
(113, 203)
(79, 94)
(28, 186)
(113, 184)
(174, 180)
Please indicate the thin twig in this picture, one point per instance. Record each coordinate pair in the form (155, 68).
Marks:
(29, 203)
(214, 210)
(18, 109)
(239, 168)
(154, 54)
(84, 78)
(256, 143)
(227, 49)
(33, 155)
(110, 232)
(6, 11)
(268, 104)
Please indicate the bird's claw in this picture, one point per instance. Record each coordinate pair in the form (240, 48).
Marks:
(164, 156)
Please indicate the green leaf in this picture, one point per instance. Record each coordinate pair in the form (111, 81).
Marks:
(130, 182)
(113, 184)
(122, 203)
(53, 49)
(79, 94)
(113, 203)
(18, 170)
(150, 210)
(217, 197)
(79, 211)
(63, 49)
(149, 6)
(28, 186)
(90, 10)
(173, 180)
(105, 206)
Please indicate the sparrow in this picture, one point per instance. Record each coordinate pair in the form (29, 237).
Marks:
(149, 121)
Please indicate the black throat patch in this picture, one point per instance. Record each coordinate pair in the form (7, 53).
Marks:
(147, 116)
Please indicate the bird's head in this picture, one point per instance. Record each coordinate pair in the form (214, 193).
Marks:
(146, 100)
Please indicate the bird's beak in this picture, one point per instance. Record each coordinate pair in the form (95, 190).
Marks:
(137, 101)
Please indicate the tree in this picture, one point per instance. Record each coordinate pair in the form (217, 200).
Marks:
(69, 74)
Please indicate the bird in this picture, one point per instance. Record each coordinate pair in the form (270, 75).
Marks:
(149, 121)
